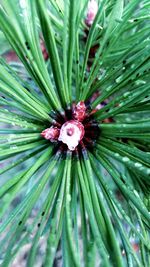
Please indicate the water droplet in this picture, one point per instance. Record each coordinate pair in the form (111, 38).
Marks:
(126, 94)
(13, 147)
(68, 198)
(123, 252)
(118, 80)
(108, 88)
(136, 193)
(121, 104)
(128, 119)
(125, 159)
(132, 66)
(139, 82)
(137, 164)
(148, 171)
(53, 249)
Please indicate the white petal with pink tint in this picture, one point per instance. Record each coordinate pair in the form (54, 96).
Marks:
(92, 11)
(71, 133)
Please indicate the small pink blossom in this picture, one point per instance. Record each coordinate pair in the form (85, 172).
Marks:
(79, 111)
(44, 51)
(135, 246)
(94, 96)
(51, 133)
(91, 12)
(98, 107)
(71, 133)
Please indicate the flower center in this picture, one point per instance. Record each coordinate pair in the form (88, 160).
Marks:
(70, 131)
(74, 130)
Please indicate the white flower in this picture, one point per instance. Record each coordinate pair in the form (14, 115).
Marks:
(71, 133)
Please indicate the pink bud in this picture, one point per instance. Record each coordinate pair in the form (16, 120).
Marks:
(44, 51)
(135, 247)
(51, 133)
(91, 13)
(71, 133)
(98, 107)
(94, 96)
(79, 111)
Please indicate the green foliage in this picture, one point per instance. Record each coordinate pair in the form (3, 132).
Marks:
(95, 208)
